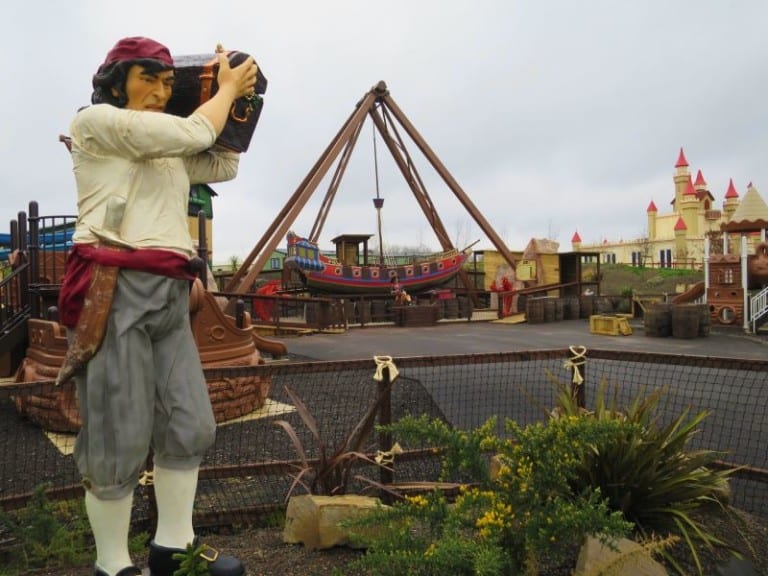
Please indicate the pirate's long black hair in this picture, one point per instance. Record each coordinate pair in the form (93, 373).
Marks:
(115, 75)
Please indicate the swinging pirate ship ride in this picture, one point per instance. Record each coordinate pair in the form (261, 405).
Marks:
(354, 269)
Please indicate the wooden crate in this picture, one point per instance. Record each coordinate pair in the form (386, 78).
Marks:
(415, 315)
(609, 325)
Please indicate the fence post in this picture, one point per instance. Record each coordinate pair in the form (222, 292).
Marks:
(385, 418)
(577, 364)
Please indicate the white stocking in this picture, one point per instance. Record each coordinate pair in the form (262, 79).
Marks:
(175, 495)
(110, 522)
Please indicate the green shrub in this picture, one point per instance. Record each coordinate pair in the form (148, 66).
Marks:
(47, 534)
(646, 471)
(505, 524)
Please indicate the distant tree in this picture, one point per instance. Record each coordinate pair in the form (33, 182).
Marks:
(234, 263)
(646, 249)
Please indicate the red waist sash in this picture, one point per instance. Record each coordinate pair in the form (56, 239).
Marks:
(82, 257)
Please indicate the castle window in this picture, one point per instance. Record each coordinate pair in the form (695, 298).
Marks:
(665, 258)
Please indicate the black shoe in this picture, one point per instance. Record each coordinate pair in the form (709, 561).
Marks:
(162, 563)
(130, 571)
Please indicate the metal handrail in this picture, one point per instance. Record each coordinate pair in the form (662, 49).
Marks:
(758, 307)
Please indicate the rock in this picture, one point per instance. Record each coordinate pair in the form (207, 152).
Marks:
(314, 520)
(628, 558)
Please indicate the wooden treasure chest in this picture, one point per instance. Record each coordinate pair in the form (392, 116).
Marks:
(196, 83)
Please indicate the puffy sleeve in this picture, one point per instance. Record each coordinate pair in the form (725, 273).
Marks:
(213, 165)
(138, 135)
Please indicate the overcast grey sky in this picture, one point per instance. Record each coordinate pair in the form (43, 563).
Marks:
(553, 116)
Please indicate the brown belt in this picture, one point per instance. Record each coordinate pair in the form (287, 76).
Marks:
(92, 324)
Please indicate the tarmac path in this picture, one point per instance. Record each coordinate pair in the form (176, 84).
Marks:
(737, 425)
(485, 337)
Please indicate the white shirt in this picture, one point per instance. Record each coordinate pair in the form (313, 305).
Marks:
(148, 159)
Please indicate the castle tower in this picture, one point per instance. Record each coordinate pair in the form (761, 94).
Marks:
(681, 251)
(576, 242)
(652, 211)
(689, 210)
(682, 178)
(731, 202)
(702, 191)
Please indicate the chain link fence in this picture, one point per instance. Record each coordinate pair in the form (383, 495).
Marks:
(247, 473)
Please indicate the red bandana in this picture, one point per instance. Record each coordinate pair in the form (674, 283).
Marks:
(138, 47)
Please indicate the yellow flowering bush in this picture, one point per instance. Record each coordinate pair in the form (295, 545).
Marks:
(497, 525)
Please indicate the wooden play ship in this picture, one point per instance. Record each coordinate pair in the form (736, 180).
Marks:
(353, 271)
(35, 343)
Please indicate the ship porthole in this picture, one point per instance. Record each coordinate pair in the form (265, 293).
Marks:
(727, 315)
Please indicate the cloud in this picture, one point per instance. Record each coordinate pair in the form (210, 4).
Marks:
(552, 116)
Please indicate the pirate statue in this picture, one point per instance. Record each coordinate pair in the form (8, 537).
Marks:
(125, 298)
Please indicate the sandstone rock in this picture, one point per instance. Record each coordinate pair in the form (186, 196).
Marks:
(628, 558)
(314, 520)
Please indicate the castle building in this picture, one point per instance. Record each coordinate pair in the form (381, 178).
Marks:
(676, 238)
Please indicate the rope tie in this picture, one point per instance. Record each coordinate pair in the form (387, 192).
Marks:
(147, 478)
(385, 362)
(575, 362)
(387, 457)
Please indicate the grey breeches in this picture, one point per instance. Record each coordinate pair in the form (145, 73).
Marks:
(144, 387)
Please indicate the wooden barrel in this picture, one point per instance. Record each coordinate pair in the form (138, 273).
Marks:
(604, 305)
(572, 308)
(559, 309)
(658, 320)
(586, 305)
(534, 310)
(549, 309)
(705, 319)
(685, 320)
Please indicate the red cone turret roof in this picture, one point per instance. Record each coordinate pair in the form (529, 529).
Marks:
(731, 193)
(681, 161)
(652, 207)
(700, 179)
(680, 225)
(576, 237)
(689, 189)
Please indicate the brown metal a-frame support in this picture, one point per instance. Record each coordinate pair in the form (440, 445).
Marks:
(378, 104)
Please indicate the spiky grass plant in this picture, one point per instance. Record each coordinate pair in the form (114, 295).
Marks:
(647, 471)
(331, 472)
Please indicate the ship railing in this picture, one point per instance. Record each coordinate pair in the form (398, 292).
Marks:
(412, 259)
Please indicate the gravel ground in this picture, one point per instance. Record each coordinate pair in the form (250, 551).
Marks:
(264, 553)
